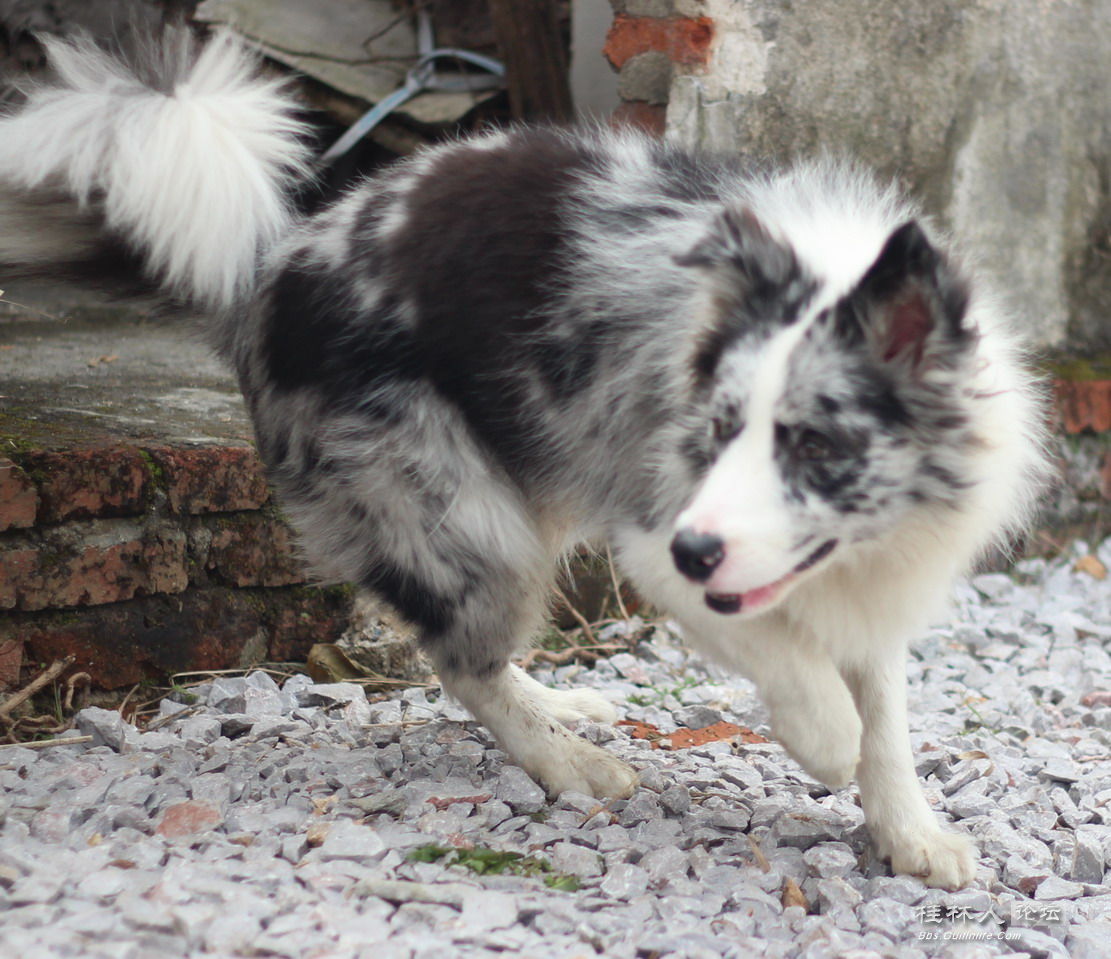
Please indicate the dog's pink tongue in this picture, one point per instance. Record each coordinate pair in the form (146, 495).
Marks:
(760, 596)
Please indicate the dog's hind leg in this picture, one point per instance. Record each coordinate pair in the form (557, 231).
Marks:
(567, 705)
(506, 702)
(502, 579)
(501, 602)
(411, 508)
(903, 826)
(472, 627)
(418, 515)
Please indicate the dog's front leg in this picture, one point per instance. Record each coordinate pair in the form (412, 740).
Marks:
(812, 712)
(903, 826)
(526, 720)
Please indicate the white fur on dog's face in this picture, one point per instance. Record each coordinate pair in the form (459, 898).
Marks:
(744, 501)
(834, 410)
(829, 430)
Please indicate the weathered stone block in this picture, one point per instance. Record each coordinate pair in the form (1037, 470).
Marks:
(645, 77)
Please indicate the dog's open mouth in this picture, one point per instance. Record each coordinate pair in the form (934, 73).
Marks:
(726, 603)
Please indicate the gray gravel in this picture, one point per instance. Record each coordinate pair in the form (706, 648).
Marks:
(275, 821)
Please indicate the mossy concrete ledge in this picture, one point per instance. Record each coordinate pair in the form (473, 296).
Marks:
(137, 531)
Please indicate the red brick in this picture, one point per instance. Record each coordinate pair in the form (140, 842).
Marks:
(108, 565)
(18, 571)
(79, 484)
(305, 617)
(11, 661)
(1083, 404)
(19, 500)
(212, 479)
(186, 818)
(200, 629)
(685, 40)
(253, 549)
(649, 117)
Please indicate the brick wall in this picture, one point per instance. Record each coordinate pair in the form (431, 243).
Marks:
(145, 560)
(646, 43)
(1081, 506)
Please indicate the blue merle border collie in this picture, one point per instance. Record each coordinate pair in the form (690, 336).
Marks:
(792, 415)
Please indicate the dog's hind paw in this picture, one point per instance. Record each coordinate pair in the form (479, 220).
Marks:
(566, 705)
(576, 704)
(942, 859)
(585, 768)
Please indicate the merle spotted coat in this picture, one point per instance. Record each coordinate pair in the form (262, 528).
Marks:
(789, 411)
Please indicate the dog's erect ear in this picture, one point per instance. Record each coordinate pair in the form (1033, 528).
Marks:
(910, 305)
(738, 245)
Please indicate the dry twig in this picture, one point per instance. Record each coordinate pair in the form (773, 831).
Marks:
(588, 633)
(616, 585)
(47, 743)
(71, 686)
(47, 676)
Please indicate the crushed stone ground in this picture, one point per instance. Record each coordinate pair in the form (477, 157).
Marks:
(291, 821)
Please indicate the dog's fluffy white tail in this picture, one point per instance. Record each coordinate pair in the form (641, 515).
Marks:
(170, 172)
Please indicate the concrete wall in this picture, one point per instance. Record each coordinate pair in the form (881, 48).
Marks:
(997, 113)
(593, 83)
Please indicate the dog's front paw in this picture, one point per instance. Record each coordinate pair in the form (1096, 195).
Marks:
(566, 705)
(835, 766)
(824, 740)
(942, 859)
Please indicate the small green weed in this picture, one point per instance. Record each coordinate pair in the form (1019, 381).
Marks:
(655, 696)
(486, 862)
(180, 694)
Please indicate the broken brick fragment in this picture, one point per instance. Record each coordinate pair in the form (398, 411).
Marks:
(1083, 405)
(186, 818)
(685, 40)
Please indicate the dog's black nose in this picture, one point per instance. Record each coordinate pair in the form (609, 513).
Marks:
(697, 555)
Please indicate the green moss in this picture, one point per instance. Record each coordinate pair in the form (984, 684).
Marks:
(155, 470)
(14, 446)
(552, 639)
(24, 429)
(1079, 369)
(180, 694)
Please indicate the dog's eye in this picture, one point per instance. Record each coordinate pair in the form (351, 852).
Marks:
(726, 426)
(814, 448)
